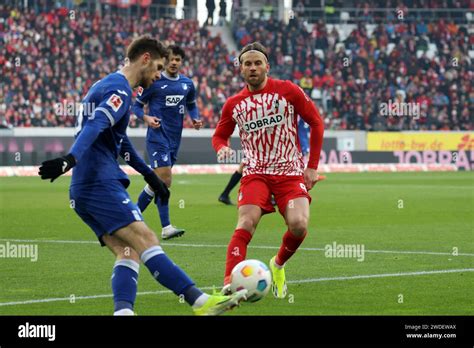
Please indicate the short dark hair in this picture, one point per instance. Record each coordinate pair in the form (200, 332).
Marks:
(254, 46)
(144, 44)
(177, 51)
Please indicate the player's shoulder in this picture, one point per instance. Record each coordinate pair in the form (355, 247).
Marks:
(286, 85)
(116, 83)
(235, 99)
(185, 79)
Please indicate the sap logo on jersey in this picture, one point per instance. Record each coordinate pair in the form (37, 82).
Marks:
(269, 121)
(173, 100)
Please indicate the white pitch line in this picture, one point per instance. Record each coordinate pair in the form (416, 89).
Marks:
(225, 246)
(301, 281)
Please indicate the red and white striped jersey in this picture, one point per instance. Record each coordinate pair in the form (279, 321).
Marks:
(268, 128)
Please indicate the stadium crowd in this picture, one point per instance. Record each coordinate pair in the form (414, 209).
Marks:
(54, 58)
(351, 78)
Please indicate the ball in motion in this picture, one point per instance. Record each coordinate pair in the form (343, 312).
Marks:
(252, 275)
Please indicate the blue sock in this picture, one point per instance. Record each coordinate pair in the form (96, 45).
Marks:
(169, 274)
(145, 198)
(164, 210)
(124, 284)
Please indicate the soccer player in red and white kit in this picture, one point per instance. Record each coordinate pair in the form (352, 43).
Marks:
(266, 113)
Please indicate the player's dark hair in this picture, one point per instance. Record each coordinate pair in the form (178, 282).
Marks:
(177, 51)
(144, 44)
(254, 46)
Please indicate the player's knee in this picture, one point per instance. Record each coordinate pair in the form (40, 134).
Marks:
(128, 253)
(144, 238)
(298, 225)
(149, 238)
(247, 223)
(167, 181)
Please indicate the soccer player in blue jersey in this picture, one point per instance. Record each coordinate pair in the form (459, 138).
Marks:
(167, 99)
(98, 188)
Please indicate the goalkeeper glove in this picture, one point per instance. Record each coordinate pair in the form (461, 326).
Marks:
(161, 190)
(52, 169)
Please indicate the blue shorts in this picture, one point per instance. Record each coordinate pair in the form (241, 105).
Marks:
(104, 206)
(161, 155)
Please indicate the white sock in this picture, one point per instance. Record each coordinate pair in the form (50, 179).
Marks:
(200, 300)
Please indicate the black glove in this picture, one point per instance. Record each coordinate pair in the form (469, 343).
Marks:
(52, 169)
(160, 188)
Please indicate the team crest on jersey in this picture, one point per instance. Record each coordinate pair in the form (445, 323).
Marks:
(261, 123)
(173, 100)
(115, 102)
(185, 86)
(276, 105)
(140, 90)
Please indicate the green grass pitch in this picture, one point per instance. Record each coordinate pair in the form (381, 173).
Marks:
(407, 223)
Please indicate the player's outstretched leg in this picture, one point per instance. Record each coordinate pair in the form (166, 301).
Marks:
(296, 217)
(168, 274)
(249, 216)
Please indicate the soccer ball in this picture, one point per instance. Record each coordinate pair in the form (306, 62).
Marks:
(252, 275)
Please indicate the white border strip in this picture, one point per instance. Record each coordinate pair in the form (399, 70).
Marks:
(6, 171)
(301, 281)
(225, 246)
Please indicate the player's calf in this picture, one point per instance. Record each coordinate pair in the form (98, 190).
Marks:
(168, 274)
(124, 275)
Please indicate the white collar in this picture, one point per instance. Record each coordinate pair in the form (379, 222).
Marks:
(169, 77)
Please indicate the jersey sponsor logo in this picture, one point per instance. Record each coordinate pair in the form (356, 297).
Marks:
(140, 90)
(115, 102)
(261, 123)
(173, 100)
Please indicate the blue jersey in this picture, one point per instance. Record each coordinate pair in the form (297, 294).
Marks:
(167, 99)
(101, 133)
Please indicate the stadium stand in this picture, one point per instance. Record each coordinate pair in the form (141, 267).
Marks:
(348, 69)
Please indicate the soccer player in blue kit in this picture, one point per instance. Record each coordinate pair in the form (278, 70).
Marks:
(98, 187)
(167, 98)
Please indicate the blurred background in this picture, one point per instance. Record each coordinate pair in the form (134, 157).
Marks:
(353, 58)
